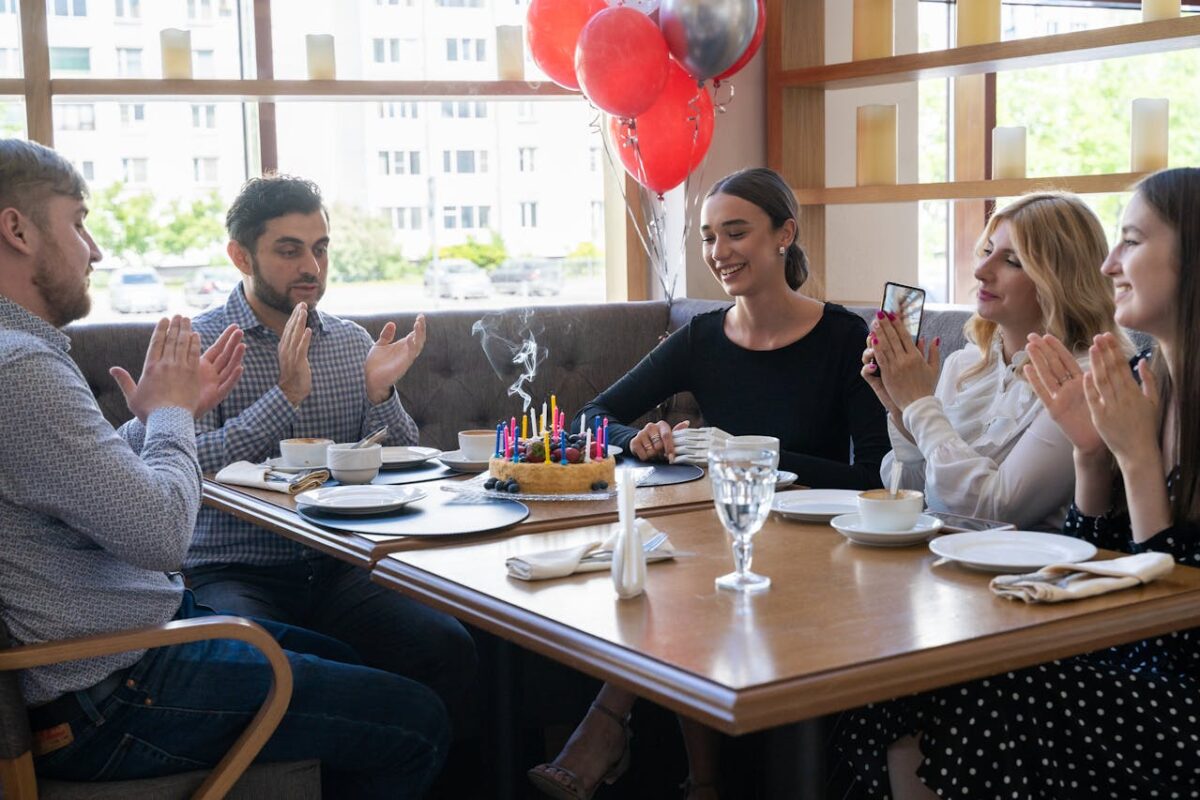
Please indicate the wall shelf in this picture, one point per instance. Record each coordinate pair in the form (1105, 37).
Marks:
(1042, 51)
(300, 90)
(966, 190)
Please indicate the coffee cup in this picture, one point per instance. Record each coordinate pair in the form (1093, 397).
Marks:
(350, 464)
(880, 510)
(756, 442)
(477, 445)
(305, 452)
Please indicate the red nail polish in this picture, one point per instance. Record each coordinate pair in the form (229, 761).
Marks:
(938, 341)
(878, 315)
(871, 367)
(891, 316)
(874, 339)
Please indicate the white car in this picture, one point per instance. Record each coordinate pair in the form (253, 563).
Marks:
(457, 278)
(137, 290)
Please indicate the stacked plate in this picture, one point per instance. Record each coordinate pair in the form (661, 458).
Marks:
(405, 457)
(852, 527)
(367, 499)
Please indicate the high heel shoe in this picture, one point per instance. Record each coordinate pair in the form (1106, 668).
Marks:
(555, 781)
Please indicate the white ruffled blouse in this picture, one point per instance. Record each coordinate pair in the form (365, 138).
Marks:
(989, 449)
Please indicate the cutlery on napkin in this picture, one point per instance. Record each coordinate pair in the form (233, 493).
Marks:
(1059, 582)
(592, 556)
(261, 476)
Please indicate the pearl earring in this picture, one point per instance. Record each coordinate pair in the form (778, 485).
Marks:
(782, 250)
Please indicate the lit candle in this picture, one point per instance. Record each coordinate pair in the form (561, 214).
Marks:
(978, 21)
(510, 53)
(1148, 145)
(1008, 152)
(872, 29)
(876, 147)
(176, 53)
(321, 62)
(1159, 9)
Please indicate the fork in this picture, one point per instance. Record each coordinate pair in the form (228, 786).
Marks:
(649, 546)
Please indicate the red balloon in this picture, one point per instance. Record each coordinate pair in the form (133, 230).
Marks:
(752, 48)
(552, 30)
(671, 138)
(621, 61)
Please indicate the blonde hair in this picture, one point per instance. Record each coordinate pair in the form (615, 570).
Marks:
(1061, 246)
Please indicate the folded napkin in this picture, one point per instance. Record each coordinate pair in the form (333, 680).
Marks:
(692, 444)
(1059, 582)
(260, 476)
(588, 557)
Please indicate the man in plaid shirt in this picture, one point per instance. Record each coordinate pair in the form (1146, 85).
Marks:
(308, 374)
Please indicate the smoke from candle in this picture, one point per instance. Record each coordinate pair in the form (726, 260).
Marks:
(510, 343)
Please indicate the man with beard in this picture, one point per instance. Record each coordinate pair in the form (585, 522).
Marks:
(94, 524)
(308, 374)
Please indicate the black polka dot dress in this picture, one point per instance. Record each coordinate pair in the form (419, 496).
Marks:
(1118, 723)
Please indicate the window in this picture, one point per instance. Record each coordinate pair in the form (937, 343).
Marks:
(464, 49)
(132, 115)
(70, 8)
(407, 218)
(529, 214)
(593, 159)
(404, 110)
(464, 161)
(129, 9)
(10, 61)
(75, 116)
(88, 170)
(8, 6)
(204, 116)
(525, 111)
(466, 217)
(203, 64)
(400, 162)
(387, 51)
(525, 159)
(73, 59)
(134, 170)
(129, 62)
(200, 10)
(204, 169)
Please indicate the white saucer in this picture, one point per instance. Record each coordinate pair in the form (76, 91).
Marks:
(815, 505)
(277, 463)
(851, 526)
(1011, 551)
(367, 499)
(455, 461)
(784, 478)
(408, 456)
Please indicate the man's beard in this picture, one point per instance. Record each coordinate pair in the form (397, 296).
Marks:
(271, 298)
(65, 300)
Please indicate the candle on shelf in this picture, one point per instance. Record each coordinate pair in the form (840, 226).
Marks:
(1008, 152)
(876, 148)
(510, 53)
(872, 29)
(322, 66)
(1159, 9)
(176, 53)
(1148, 140)
(978, 22)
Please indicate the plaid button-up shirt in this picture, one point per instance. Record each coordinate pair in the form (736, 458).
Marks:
(256, 415)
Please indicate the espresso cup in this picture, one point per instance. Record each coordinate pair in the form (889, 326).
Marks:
(880, 510)
(477, 445)
(350, 464)
(304, 452)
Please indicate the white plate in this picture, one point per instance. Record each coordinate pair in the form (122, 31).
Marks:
(815, 505)
(367, 499)
(277, 464)
(784, 478)
(408, 456)
(1011, 551)
(454, 460)
(851, 526)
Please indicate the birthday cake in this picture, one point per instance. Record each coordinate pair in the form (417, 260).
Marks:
(576, 464)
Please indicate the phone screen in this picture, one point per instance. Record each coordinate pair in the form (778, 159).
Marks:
(907, 303)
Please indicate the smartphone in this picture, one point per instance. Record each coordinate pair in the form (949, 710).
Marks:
(907, 303)
(957, 523)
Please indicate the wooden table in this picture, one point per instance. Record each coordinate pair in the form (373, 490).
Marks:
(841, 625)
(276, 512)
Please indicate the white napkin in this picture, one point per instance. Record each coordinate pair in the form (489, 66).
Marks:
(260, 476)
(1059, 582)
(570, 560)
(692, 444)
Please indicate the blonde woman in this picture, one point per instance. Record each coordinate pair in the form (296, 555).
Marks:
(978, 441)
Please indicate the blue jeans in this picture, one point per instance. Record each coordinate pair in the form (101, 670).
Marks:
(181, 707)
(387, 630)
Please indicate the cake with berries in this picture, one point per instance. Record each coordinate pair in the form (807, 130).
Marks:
(533, 474)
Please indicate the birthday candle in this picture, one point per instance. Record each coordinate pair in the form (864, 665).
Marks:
(499, 438)
(546, 443)
(524, 427)
(543, 416)
(587, 448)
(554, 413)
(562, 445)
(606, 437)
(582, 423)
(506, 454)
(533, 429)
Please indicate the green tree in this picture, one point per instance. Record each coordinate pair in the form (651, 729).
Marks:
(363, 247)
(489, 256)
(124, 225)
(191, 226)
(586, 250)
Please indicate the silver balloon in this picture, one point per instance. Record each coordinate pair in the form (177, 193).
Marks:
(647, 7)
(707, 36)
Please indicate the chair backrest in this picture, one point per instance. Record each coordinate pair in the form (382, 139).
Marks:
(15, 738)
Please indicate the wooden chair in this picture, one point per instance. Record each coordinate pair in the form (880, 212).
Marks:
(16, 758)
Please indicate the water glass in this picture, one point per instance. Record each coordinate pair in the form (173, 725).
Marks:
(743, 484)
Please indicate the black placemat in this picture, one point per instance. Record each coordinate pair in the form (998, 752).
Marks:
(429, 471)
(437, 514)
(666, 474)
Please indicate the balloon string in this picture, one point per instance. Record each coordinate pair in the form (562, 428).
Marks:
(654, 219)
(720, 105)
(692, 189)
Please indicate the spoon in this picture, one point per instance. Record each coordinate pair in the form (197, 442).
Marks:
(894, 485)
(370, 438)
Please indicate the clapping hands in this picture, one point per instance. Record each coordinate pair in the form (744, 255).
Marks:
(389, 360)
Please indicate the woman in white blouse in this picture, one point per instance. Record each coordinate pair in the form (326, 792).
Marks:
(978, 441)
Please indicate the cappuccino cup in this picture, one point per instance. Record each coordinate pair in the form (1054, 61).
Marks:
(350, 464)
(477, 445)
(880, 510)
(304, 452)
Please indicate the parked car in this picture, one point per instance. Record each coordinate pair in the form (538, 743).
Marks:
(210, 285)
(133, 290)
(529, 276)
(458, 278)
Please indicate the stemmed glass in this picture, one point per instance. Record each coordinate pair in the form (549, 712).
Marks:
(743, 484)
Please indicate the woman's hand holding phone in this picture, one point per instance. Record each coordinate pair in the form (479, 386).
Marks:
(903, 369)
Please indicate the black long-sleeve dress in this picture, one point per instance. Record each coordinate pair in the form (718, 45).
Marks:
(809, 394)
(1123, 722)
